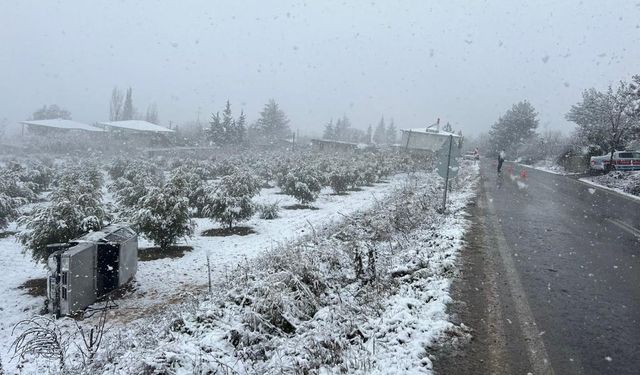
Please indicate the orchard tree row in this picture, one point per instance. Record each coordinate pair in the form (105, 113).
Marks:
(160, 198)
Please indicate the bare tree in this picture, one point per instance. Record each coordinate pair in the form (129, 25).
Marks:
(606, 118)
(634, 94)
(115, 108)
(152, 114)
(128, 112)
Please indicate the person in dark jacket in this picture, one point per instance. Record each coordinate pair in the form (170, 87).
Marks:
(500, 160)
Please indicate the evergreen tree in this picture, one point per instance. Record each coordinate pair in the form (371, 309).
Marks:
(368, 135)
(380, 135)
(273, 123)
(228, 125)
(329, 131)
(216, 132)
(514, 128)
(241, 129)
(447, 128)
(127, 108)
(392, 134)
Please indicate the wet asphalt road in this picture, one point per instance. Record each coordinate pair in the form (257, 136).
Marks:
(578, 261)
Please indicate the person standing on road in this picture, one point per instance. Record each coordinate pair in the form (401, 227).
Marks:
(500, 160)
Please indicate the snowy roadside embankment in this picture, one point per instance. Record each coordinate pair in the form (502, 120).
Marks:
(367, 295)
(627, 183)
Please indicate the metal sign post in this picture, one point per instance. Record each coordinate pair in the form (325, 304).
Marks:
(446, 179)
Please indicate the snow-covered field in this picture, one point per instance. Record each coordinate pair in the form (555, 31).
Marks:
(407, 319)
(165, 280)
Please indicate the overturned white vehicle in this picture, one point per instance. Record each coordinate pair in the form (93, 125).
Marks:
(90, 267)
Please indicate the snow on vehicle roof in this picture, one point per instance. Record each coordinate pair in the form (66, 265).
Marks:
(137, 125)
(62, 124)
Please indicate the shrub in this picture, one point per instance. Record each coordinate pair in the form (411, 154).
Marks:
(8, 209)
(230, 202)
(269, 211)
(134, 182)
(304, 184)
(339, 181)
(163, 214)
(75, 208)
(195, 190)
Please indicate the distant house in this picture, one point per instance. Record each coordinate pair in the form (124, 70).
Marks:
(140, 132)
(427, 139)
(59, 126)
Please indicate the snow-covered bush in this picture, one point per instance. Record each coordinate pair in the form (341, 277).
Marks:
(75, 208)
(33, 173)
(8, 209)
(163, 213)
(230, 202)
(339, 181)
(196, 188)
(269, 211)
(134, 182)
(302, 183)
(12, 185)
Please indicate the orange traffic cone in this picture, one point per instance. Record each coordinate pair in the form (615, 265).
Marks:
(523, 174)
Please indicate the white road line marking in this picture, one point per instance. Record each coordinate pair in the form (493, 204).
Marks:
(537, 352)
(624, 226)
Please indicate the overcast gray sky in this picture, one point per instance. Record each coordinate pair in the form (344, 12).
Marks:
(466, 62)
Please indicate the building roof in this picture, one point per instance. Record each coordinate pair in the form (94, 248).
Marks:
(137, 125)
(431, 131)
(62, 124)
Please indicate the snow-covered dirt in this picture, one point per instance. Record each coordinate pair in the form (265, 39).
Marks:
(169, 280)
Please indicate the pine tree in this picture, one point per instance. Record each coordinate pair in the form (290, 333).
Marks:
(448, 127)
(241, 129)
(380, 135)
(127, 108)
(216, 132)
(228, 125)
(329, 131)
(273, 123)
(369, 135)
(514, 128)
(391, 134)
